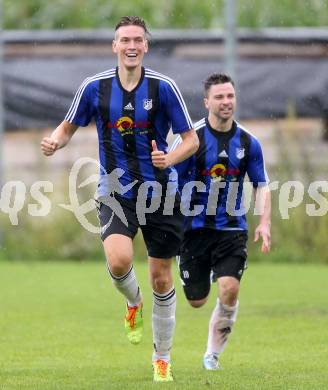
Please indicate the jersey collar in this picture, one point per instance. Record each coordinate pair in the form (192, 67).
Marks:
(222, 134)
(136, 87)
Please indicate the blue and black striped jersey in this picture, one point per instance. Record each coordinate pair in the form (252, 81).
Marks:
(127, 121)
(220, 165)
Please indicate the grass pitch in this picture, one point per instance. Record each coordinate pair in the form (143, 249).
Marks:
(61, 327)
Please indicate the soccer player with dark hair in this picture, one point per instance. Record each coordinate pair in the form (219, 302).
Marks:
(134, 108)
(215, 238)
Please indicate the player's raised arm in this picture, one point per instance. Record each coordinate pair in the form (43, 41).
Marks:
(58, 139)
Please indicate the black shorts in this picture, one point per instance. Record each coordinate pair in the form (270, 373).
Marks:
(207, 250)
(162, 233)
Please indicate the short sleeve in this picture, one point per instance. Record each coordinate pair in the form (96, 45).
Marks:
(81, 110)
(175, 107)
(256, 167)
(183, 168)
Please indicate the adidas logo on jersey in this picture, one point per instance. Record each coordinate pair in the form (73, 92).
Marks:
(223, 154)
(129, 107)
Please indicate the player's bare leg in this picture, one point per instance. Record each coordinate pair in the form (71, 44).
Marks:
(163, 317)
(119, 251)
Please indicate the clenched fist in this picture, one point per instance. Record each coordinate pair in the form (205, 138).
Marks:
(49, 146)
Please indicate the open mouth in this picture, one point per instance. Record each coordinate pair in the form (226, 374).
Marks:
(131, 55)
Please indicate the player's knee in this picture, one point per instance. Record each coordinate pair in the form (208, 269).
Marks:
(161, 277)
(118, 265)
(229, 292)
(118, 251)
(197, 293)
(197, 303)
(161, 283)
(232, 290)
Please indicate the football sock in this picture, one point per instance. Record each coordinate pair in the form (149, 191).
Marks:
(128, 286)
(163, 324)
(220, 326)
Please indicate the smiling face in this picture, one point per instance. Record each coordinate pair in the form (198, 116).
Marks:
(221, 101)
(130, 45)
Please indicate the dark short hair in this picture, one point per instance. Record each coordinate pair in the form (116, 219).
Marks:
(217, 78)
(131, 21)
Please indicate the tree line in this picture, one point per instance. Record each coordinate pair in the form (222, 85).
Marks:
(184, 14)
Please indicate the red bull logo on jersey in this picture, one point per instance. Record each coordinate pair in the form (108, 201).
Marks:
(218, 172)
(126, 125)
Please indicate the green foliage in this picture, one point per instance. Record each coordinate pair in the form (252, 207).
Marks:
(56, 236)
(257, 13)
(39, 14)
(59, 235)
(62, 328)
(299, 239)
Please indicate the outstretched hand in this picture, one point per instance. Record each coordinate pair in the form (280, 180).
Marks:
(158, 157)
(49, 146)
(263, 230)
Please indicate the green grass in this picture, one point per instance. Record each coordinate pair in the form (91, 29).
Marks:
(61, 327)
